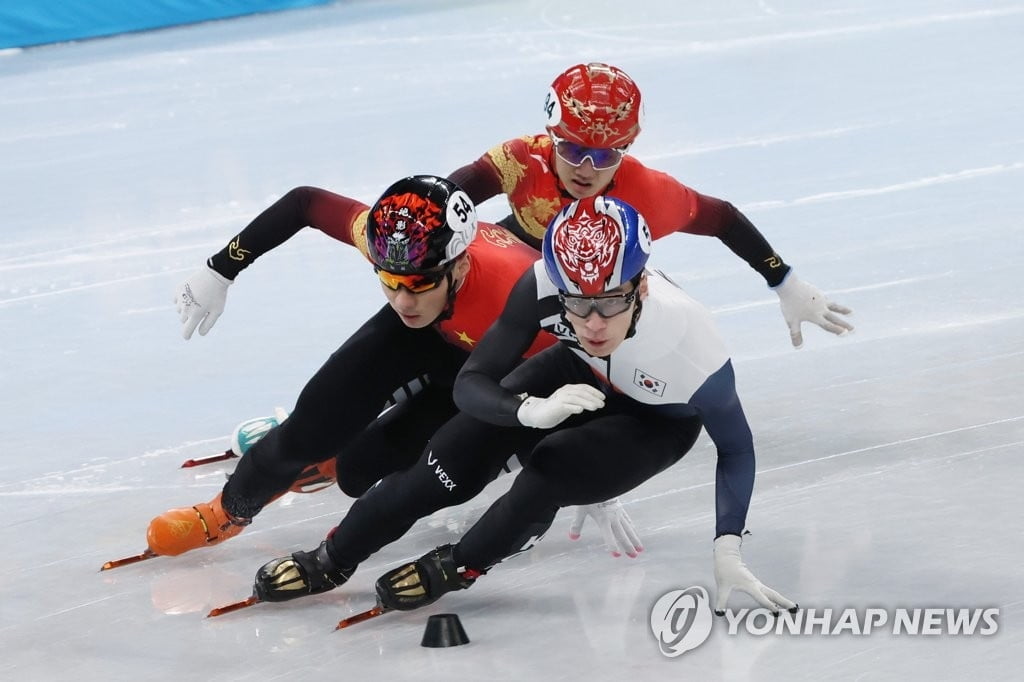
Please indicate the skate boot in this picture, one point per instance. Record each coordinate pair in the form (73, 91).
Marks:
(179, 530)
(300, 574)
(315, 477)
(249, 432)
(424, 581)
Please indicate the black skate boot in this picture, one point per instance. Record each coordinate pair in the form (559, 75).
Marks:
(424, 581)
(300, 574)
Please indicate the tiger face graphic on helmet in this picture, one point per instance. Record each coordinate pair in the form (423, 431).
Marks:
(588, 250)
(594, 245)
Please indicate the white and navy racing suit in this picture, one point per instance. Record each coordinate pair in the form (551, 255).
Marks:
(662, 384)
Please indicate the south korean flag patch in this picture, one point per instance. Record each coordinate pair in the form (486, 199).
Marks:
(649, 383)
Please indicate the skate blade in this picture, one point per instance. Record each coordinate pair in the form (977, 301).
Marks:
(117, 563)
(245, 603)
(360, 617)
(208, 460)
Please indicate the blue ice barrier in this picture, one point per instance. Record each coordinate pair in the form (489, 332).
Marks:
(35, 22)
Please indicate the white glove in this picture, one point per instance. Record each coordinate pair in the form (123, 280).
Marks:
(802, 302)
(617, 528)
(200, 299)
(544, 413)
(732, 574)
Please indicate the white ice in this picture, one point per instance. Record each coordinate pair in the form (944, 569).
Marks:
(878, 146)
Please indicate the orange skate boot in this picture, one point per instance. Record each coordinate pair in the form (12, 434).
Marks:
(179, 530)
(316, 477)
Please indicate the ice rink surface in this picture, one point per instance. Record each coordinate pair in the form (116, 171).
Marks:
(877, 145)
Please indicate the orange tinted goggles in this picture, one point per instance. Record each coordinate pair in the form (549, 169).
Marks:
(417, 283)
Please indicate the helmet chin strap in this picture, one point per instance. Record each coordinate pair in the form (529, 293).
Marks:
(636, 317)
(639, 305)
(449, 304)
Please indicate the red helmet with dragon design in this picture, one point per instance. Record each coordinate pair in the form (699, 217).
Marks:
(594, 105)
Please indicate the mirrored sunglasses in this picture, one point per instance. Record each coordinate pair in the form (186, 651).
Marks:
(415, 283)
(601, 158)
(604, 306)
